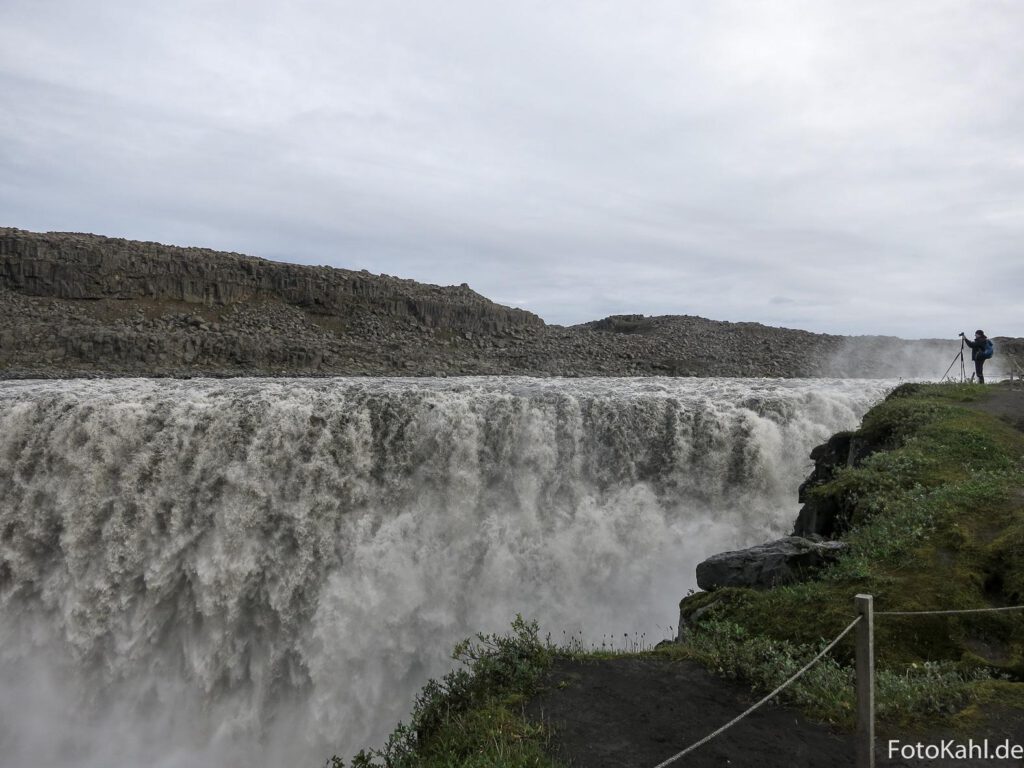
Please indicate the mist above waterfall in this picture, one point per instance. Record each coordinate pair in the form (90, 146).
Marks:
(890, 357)
(262, 572)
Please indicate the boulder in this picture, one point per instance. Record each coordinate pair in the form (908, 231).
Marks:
(783, 561)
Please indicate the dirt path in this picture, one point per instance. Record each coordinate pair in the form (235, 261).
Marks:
(637, 712)
(1004, 403)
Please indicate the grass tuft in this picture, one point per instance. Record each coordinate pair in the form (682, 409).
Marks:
(473, 716)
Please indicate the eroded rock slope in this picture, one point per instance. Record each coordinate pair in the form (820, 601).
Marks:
(80, 304)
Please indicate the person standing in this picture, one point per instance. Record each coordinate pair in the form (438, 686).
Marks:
(981, 350)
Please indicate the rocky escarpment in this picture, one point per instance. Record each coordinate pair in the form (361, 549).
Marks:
(77, 304)
(822, 517)
(829, 510)
(63, 266)
(828, 515)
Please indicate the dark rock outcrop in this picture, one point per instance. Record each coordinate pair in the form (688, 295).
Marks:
(829, 515)
(83, 305)
(64, 266)
(784, 561)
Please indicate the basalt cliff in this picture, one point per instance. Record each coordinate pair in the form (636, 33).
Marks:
(81, 304)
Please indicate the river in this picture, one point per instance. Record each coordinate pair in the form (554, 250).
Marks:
(260, 572)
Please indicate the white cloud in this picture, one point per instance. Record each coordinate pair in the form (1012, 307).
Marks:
(861, 160)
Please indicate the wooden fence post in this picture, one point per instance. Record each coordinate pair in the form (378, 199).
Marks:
(865, 682)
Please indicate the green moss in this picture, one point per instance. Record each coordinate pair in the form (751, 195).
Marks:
(936, 521)
(473, 717)
(911, 697)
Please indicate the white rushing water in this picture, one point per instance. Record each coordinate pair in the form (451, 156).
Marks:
(262, 572)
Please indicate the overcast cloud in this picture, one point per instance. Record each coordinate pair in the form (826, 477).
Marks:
(851, 167)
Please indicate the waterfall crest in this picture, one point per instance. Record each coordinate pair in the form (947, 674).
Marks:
(260, 572)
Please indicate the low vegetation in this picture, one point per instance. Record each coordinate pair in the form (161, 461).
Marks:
(936, 523)
(473, 717)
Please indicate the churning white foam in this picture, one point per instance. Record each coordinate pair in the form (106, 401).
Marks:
(263, 572)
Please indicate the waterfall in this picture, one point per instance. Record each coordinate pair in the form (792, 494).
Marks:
(262, 572)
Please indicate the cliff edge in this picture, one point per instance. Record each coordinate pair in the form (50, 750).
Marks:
(76, 304)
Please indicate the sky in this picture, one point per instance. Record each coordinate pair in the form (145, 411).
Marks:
(841, 167)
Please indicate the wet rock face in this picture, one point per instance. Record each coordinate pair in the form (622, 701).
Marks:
(829, 515)
(783, 561)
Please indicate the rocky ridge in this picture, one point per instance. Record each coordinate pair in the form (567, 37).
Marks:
(83, 305)
(814, 543)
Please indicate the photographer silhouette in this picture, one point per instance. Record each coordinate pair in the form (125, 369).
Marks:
(981, 350)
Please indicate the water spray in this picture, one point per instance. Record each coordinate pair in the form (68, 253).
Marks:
(262, 572)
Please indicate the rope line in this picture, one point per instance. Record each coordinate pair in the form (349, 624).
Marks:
(949, 613)
(770, 696)
(816, 659)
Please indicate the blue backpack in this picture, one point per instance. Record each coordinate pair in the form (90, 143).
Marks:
(988, 351)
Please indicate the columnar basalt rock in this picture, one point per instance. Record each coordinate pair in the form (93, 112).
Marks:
(78, 304)
(74, 266)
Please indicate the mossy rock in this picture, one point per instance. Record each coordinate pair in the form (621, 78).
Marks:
(935, 521)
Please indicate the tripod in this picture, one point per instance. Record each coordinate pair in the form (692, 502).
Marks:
(959, 356)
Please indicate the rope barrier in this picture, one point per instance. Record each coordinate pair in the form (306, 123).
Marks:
(948, 613)
(770, 696)
(818, 658)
